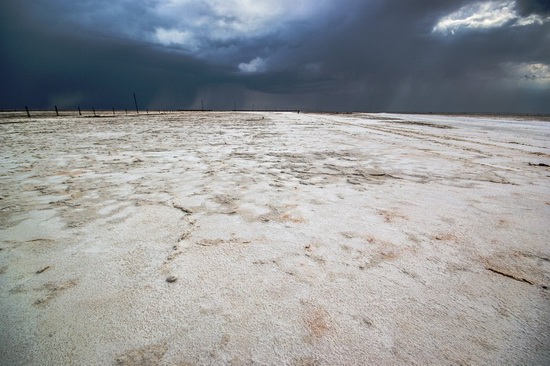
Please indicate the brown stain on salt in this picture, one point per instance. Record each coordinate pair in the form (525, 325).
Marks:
(318, 322)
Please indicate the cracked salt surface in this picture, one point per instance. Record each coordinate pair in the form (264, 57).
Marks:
(274, 238)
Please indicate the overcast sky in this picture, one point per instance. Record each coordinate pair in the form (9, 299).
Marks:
(341, 55)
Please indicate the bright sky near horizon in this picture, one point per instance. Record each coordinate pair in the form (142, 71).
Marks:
(371, 55)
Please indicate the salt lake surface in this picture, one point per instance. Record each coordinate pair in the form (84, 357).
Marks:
(286, 238)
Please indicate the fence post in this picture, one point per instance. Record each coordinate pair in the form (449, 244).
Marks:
(28, 114)
(135, 101)
(56, 111)
(79, 112)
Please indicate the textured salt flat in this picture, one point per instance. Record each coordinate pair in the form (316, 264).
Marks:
(295, 239)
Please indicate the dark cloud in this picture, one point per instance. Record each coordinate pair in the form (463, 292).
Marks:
(376, 55)
(51, 66)
(388, 59)
(528, 7)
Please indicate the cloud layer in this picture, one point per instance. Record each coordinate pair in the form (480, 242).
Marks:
(373, 55)
(488, 14)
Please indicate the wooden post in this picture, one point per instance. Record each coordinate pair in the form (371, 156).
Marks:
(113, 111)
(94, 111)
(135, 101)
(28, 114)
(56, 111)
(79, 112)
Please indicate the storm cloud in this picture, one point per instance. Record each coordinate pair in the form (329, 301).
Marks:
(361, 55)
